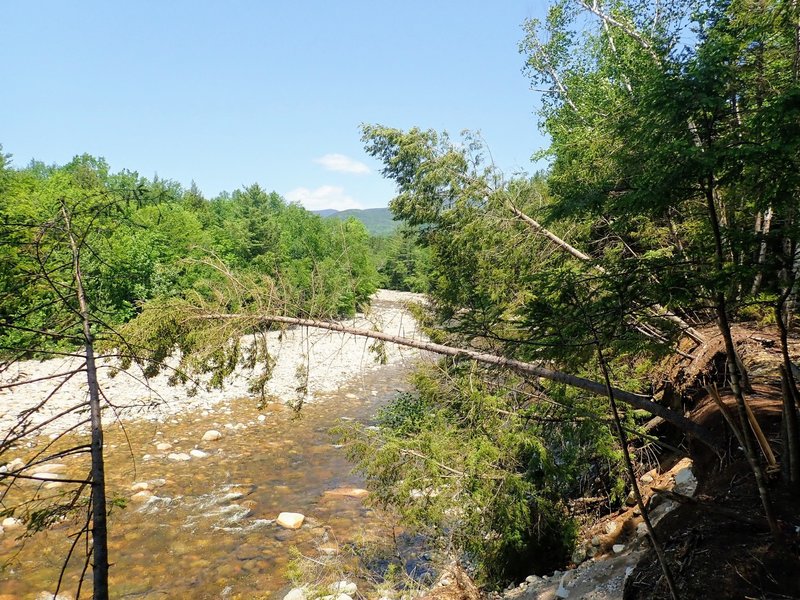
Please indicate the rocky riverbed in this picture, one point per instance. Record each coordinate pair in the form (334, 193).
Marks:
(218, 493)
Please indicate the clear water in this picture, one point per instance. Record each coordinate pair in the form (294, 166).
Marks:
(208, 530)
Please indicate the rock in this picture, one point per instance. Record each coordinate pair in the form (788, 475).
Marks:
(11, 523)
(262, 418)
(531, 578)
(344, 587)
(647, 478)
(198, 453)
(142, 496)
(596, 541)
(53, 484)
(45, 476)
(51, 596)
(180, 456)
(641, 530)
(2, 531)
(290, 520)
(592, 551)
(49, 468)
(138, 487)
(348, 492)
(578, 555)
(630, 499)
(163, 446)
(617, 548)
(211, 435)
(296, 594)
(611, 527)
(16, 464)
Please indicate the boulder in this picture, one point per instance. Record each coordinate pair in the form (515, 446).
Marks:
(211, 435)
(296, 594)
(179, 457)
(290, 520)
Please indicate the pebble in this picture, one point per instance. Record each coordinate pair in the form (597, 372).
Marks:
(617, 548)
(611, 527)
(295, 594)
(49, 468)
(11, 523)
(198, 453)
(141, 485)
(163, 446)
(262, 418)
(179, 456)
(45, 476)
(344, 587)
(211, 435)
(647, 478)
(290, 520)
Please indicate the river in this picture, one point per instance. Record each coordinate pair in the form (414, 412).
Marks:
(203, 527)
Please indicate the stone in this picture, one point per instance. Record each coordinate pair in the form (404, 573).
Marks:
(617, 548)
(11, 523)
(51, 596)
(142, 496)
(531, 578)
(211, 435)
(45, 476)
(290, 520)
(641, 530)
(49, 468)
(295, 594)
(344, 587)
(262, 418)
(181, 456)
(348, 492)
(578, 555)
(53, 484)
(592, 551)
(198, 453)
(630, 499)
(647, 478)
(611, 527)
(16, 464)
(596, 541)
(163, 446)
(141, 485)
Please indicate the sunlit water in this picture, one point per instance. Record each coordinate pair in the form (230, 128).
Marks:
(208, 531)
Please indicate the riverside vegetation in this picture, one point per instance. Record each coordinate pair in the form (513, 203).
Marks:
(610, 312)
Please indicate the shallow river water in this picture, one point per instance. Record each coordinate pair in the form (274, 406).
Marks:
(208, 529)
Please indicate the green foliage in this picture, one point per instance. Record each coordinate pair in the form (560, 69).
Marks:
(474, 461)
(151, 240)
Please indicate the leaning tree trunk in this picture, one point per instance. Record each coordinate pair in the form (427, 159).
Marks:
(99, 528)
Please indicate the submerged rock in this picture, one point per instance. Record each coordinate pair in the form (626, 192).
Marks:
(290, 520)
(181, 456)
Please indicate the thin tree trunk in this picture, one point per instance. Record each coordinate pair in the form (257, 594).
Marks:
(792, 448)
(623, 440)
(735, 375)
(99, 527)
(636, 400)
(657, 310)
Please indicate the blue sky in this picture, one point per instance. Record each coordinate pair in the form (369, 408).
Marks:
(229, 94)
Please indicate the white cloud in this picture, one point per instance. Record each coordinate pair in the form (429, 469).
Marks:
(342, 164)
(326, 196)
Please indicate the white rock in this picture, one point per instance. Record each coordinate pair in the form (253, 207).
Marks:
(16, 464)
(53, 484)
(180, 456)
(296, 594)
(11, 523)
(198, 453)
(49, 468)
(50, 596)
(141, 485)
(685, 475)
(617, 548)
(163, 446)
(142, 496)
(147, 457)
(647, 478)
(2, 531)
(45, 476)
(262, 418)
(211, 435)
(611, 527)
(344, 587)
(290, 520)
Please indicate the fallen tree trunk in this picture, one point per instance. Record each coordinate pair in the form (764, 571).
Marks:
(635, 400)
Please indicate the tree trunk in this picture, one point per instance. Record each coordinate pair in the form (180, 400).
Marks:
(637, 401)
(99, 527)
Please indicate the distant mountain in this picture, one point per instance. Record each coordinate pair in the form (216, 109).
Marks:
(378, 221)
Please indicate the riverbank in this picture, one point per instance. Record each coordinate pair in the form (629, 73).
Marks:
(317, 361)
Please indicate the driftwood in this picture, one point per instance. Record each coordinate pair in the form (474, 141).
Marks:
(636, 400)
